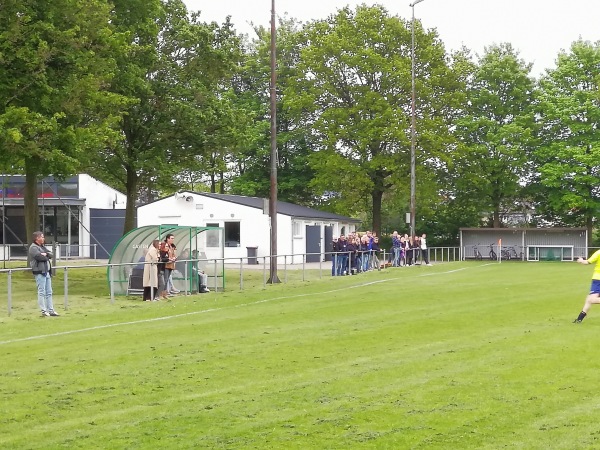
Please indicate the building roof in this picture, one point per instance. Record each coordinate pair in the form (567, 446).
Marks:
(287, 209)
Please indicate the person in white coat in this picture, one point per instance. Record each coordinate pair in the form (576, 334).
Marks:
(424, 251)
(150, 279)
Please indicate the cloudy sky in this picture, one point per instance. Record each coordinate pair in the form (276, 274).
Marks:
(539, 29)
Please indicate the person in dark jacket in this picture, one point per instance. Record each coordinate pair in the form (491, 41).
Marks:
(342, 249)
(352, 249)
(41, 267)
(334, 256)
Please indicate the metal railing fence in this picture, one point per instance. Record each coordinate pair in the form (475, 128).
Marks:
(17, 252)
(247, 275)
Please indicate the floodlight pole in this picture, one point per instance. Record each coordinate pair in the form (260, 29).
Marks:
(273, 278)
(413, 126)
(4, 248)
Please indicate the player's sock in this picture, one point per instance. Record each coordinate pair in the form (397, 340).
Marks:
(581, 316)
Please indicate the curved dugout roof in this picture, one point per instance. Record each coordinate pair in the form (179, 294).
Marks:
(131, 248)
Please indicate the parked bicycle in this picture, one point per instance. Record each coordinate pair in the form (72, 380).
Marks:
(493, 255)
(477, 253)
(512, 251)
(505, 253)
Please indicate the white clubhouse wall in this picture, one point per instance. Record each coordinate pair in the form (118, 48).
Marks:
(189, 209)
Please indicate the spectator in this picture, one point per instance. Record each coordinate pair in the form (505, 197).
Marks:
(410, 245)
(150, 278)
(163, 258)
(41, 267)
(424, 249)
(375, 253)
(416, 249)
(199, 274)
(170, 264)
(342, 249)
(334, 256)
(396, 249)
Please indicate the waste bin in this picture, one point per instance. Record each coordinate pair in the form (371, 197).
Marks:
(252, 255)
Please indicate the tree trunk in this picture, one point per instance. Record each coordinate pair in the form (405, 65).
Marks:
(213, 183)
(221, 182)
(377, 196)
(496, 218)
(131, 194)
(32, 214)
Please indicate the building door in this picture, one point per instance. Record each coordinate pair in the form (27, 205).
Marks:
(328, 242)
(313, 243)
(106, 228)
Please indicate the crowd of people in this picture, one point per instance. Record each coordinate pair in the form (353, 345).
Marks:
(407, 250)
(361, 252)
(159, 264)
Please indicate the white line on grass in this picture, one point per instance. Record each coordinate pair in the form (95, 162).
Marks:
(175, 316)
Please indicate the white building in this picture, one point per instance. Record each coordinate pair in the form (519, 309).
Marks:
(246, 223)
(79, 214)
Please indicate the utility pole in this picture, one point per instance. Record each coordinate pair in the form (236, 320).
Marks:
(273, 278)
(413, 126)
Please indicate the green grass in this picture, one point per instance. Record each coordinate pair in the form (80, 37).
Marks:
(459, 355)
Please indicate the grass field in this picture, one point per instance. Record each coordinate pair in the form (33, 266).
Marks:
(459, 355)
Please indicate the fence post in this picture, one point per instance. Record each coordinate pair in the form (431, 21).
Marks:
(285, 280)
(349, 267)
(320, 267)
(216, 277)
(66, 288)
(303, 266)
(265, 271)
(9, 292)
(110, 282)
(241, 274)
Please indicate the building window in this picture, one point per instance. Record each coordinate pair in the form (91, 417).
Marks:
(212, 236)
(232, 234)
(297, 230)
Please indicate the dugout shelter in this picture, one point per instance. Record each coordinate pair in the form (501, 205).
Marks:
(198, 249)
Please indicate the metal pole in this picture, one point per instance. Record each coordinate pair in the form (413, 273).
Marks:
(9, 280)
(265, 271)
(413, 175)
(66, 288)
(216, 277)
(303, 266)
(4, 247)
(112, 286)
(273, 192)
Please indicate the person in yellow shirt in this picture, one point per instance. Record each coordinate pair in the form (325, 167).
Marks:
(594, 295)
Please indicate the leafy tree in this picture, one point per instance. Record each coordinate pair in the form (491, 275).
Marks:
(171, 74)
(568, 159)
(252, 162)
(490, 164)
(355, 93)
(215, 123)
(56, 59)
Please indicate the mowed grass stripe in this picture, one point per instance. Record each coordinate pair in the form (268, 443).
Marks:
(474, 359)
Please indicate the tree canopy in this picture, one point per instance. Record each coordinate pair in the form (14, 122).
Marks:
(150, 98)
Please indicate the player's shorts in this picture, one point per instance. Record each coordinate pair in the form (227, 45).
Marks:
(595, 289)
